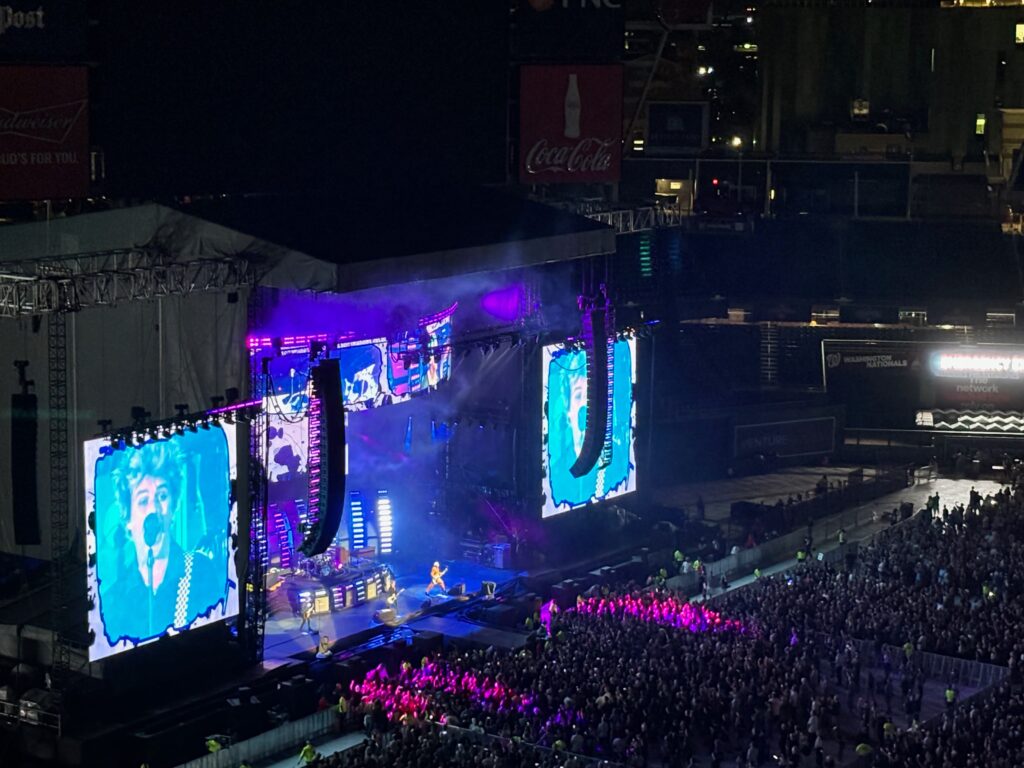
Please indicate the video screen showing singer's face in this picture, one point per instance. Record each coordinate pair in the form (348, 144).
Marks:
(564, 425)
(161, 538)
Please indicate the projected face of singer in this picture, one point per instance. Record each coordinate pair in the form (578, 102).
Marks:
(149, 520)
(577, 411)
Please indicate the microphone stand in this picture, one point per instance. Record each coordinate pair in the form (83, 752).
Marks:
(149, 564)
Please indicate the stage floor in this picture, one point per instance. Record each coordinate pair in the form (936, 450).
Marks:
(283, 638)
(719, 495)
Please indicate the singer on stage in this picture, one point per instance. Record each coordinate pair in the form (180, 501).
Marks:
(437, 578)
(159, 586)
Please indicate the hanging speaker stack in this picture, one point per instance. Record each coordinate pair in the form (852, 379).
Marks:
(326, 457)
(597, 325)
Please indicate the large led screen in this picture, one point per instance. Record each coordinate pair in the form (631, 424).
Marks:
(162, 529)
(564, 423)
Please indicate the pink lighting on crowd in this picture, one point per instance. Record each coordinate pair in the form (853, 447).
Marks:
(667, 611)
(407, 694)
(411, 693)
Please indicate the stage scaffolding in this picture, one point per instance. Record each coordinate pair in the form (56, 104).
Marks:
(256, 607)
(71, 283)
(59, 285)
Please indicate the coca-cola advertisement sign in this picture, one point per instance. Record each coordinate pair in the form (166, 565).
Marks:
(570, 124)
(44, 136)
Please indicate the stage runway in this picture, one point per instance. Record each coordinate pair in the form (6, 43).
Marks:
(283, 638)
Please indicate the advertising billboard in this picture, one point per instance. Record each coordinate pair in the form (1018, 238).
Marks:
(162, 530)
(570, 124)
(786, 439)
(574, 30)
(44, 135)
(42, 30)
(676, 128)
(563, 425)
(983, 377)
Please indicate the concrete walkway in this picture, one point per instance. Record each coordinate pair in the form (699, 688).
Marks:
(860, 522)
(326, 745)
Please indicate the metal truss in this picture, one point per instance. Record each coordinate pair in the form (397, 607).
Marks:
(642, 219)
(71, 283)
(256, 608)
(60, 540)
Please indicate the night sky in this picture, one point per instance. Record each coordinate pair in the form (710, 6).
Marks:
(260, 96)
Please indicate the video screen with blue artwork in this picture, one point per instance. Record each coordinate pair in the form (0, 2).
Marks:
(418, 362)
(364, 378)
(286, 406)
(162, 530)
(564, 420)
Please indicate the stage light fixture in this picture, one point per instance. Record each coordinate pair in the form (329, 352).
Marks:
(384, 522)
(192, 427)
(356, 521)
(181, 408)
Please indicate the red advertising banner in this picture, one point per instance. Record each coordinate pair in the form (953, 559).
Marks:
(44, 133)
(570, 124)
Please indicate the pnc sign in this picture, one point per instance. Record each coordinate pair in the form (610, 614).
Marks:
(547, 5)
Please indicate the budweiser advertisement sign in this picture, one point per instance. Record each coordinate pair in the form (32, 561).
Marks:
(570, 124)
(44, 136)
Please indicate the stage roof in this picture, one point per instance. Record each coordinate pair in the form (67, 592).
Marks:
(334, 243)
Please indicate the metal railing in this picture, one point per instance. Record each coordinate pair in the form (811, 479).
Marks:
(13, 712)
(490, 738)
(935, 666)
(641, 219)
(285, 737)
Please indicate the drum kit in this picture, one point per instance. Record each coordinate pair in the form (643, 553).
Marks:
(314, 567)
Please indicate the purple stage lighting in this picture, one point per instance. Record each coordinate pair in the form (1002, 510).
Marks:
(505, 304)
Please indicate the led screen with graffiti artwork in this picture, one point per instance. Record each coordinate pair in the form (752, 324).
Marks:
(564, 425)
(162, 530)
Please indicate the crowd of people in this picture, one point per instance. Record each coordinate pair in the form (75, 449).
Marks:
(413, 746)
(949, 581)
(625, 678)
(772, 674)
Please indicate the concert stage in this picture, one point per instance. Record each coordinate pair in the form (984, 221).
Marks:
(284, 639)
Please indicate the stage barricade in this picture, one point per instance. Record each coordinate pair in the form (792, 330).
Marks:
(488, 739)
(284, 738)
(937, 667)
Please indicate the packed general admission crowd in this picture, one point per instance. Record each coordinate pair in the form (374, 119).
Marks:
(770, 675)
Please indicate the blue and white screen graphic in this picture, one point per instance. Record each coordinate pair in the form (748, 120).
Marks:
(564, 422)
(162, 529)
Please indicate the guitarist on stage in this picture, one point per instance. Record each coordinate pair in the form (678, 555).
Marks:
(437, 578)
(391, 590)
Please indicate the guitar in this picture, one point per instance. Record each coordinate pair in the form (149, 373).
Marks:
(393, 598)
(437, 579)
